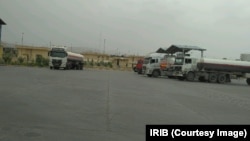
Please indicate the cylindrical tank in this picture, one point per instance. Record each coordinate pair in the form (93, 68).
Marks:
(167, 62)
(75, 56)
(245, 57)
(223, 65)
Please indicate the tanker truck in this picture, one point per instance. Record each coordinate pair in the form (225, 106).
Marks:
(211, 70)
(156, 64)
(60, 58)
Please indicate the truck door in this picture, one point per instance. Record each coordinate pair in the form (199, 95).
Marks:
(188, 64)
(153, 62)
(156, 63)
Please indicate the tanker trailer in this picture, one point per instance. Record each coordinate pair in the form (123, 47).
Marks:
(221, 70)
(211, 70)
(60, 58)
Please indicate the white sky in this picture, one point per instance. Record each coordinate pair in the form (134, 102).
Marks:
(131, 26)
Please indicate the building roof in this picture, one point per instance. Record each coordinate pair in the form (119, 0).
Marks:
(179, 48)
(161, 50)
(2, 22)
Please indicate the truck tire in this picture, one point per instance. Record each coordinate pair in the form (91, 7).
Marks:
(190, 76)
(222, 78)
(156, 73)
(212, 78)
(248, 81)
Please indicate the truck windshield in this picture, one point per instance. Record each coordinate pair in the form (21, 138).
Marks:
(58, 54)
(179, 61)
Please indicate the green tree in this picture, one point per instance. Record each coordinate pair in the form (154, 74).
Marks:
(7, 57)
(45, 62)
(110, 64)
(20, 60)
(1, 61)
(39, 60)
(92, 63)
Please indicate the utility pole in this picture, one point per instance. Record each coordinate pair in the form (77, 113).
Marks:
(22, 38)
(104, 46)
(100, 40)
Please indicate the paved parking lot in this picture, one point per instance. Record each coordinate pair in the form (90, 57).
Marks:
(41, 104)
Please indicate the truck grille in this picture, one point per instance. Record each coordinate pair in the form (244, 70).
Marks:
(56, 63)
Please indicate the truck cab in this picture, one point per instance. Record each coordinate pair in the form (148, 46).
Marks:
(57, 58)
(151, 64)
(184, 65)
(138, 66)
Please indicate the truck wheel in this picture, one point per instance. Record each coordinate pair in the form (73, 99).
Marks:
(212, 77)
(222, 78)
(190, 76)
(156, 73)
(149, 75)
(248, 81)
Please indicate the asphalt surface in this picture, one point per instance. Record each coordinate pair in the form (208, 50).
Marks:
(91, 105)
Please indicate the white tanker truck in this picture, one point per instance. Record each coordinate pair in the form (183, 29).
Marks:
(60, 58)
(211, 70)
(155, 64)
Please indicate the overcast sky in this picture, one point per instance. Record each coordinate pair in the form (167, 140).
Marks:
(131, 26)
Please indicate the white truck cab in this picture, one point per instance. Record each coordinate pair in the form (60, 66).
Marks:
(183, 65)
(151, 64)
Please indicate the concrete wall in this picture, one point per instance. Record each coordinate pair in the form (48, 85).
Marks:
(124, 62)
(96, 57)
(30, 53)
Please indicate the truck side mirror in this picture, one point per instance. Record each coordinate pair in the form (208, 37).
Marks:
(49, 53)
